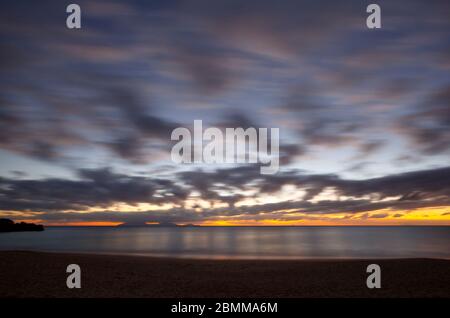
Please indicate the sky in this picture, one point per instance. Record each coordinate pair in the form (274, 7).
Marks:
(86, 114)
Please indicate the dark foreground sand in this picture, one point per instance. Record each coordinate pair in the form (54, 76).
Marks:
(30, 274)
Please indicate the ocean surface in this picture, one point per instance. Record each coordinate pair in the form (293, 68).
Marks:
(240, 242)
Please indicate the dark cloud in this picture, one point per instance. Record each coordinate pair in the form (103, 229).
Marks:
(411, 189)
(370, 147)
(138, 115)
(320, 121)
(429, 126)
(379, 215)
(290, 152)
(209, 48)
(360, 166)
(95, 188)
(139, 69)
(43, 150)
(236, 119)
(102, 188)
(128, 147)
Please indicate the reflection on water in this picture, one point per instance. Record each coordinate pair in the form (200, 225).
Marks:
(241, 242)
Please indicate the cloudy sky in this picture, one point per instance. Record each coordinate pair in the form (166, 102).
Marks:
(364, 115)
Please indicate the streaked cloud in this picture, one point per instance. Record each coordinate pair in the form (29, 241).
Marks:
(363, 115)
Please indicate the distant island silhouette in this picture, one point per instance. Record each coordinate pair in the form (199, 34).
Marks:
(161, 224)
(7, 225)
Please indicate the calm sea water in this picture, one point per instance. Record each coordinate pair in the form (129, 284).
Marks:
(241, 242)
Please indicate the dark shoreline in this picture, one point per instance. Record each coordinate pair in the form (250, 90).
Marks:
(8, 226)
(39, 274)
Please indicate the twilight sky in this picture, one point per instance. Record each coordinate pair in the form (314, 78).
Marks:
(364, 115)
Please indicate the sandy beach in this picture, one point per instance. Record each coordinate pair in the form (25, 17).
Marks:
(36, 274)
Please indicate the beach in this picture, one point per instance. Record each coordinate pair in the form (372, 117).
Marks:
(39, 274)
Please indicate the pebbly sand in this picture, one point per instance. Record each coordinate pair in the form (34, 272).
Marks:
(36, 274)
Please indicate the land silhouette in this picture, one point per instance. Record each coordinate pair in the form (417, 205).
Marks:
(161, 224)
(7, 225)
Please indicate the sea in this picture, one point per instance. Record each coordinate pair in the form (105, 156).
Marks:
(240, 242)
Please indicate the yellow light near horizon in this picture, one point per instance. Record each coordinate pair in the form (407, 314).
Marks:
(436, 213)
(420, 216)
(423, 216)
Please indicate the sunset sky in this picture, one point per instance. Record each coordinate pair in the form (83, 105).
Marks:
(364, 115)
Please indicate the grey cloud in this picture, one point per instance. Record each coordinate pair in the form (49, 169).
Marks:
(95, 188)
(102, 188)
(103, 87)
(429, 126)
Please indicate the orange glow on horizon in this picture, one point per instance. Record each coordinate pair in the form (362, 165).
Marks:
(84, 224)
(423, 216)
(386, 217)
